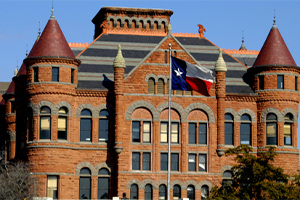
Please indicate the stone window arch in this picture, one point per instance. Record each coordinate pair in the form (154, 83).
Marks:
(191, 192)
(162, 192)
(141, 125)
(176, 192)
(134, 191)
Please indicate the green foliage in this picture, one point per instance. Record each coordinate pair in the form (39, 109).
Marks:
(255, 177)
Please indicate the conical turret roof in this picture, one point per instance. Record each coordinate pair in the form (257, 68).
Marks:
(52, 42)
(274, 51)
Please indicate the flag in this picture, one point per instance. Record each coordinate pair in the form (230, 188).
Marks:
(186, 76)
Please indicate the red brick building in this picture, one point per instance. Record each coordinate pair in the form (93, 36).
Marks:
(92, 119)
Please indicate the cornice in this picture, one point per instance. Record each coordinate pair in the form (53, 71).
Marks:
(91, 93)
(241, 98)
(34, 60)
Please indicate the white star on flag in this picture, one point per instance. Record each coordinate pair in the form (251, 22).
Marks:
(178, 72)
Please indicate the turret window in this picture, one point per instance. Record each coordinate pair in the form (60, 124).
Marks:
(296, 83)
(55, 74)
(45, 125)
(288, 127)
(62, 123)
(35, 74)
(261, 82)
(280, 82)
(271, 129)
(72, 75)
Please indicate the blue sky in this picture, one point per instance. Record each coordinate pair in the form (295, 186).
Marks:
(225, 23)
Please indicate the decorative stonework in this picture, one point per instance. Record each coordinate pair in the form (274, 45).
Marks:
(292, 111)
(234, 114)
(87, 165)
(280, 117)
(41, 104)
(103, 165)
(249, 112)
(177, 182)
(202, 183)
(174, 106)
(104, 107)
(89, 107)
(225, 168)
(149, 181)
(133, 181)
(190, 182)
(141, 104)
(60, 105)
(200, 106)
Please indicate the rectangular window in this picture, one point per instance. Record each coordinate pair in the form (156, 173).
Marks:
(280, 82)
(287, 134)
(72, 75)
(192, 162)
(271, 133)
(202, 133)
(103, 130)
(45, 132)
(85, 130)
(174, 162)
(62, 128)
(296, 83)
(55, 74)
(52, 187)
(163, 161)
(228, 133)
(202, 163)
(35, 74)
(192, 133)
(146, 132)
(146, 161)
(135, 161)
(174, 133)
(12, 107)
(245, 133)
(164, 132)
(261, 82)
(136, 131)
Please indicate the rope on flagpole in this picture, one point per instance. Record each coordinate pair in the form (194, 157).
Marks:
(169, 123)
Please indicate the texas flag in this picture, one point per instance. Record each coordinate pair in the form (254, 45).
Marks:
(186, 76)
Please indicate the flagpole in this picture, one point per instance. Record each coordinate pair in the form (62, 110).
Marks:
(169, 123)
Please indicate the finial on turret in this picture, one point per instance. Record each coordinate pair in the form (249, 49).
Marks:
(274, 20)
(243, 47)
(119, 61)
(16, 70)
(220, 65)
(52, 14)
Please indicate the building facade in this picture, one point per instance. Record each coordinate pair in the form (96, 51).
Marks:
(92, 119)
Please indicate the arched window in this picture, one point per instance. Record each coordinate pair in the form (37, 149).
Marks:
(86, 125)
(176, 192)
(85, 184)
(103, 184)
(288, 129)
(103, 126)
(151, 86)
(162, 192)
(45, 125)
(190, 192)
(30, 123)
(271, 129)
(228, 129)
(134, 191)
(204, 192)
(227, 178)
(160, 86)
(148, 192)
(62, 123)
(245, 129)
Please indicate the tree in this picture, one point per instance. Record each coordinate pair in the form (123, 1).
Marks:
(16, 182)
(255, 177)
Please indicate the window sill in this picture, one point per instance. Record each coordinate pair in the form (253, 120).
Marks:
(140, 143)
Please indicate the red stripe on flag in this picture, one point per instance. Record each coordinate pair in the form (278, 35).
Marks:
(199, 85)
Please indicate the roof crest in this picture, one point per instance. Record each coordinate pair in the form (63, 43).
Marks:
(242, 51)
(73, 44)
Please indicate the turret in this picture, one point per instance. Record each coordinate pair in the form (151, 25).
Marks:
(274, 76)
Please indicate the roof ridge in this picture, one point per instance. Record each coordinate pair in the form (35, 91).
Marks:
(73, 44)
(186, 35)
(242, 51)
